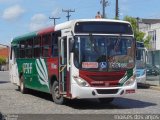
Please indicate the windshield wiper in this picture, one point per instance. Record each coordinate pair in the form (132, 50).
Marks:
(93, 43)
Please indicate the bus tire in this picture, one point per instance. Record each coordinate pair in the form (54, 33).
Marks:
(57, 98)
(22, 85)
(106, 100)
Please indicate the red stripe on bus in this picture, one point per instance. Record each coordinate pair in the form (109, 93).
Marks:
(45, 31)
(109, 79)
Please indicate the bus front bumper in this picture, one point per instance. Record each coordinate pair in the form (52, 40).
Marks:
(141, 79)
(101, 92)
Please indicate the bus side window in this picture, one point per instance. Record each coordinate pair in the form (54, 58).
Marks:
(29, 48)
(17, 51)
(46, 45)
(22, 48)
(37, 47)
(55, 45)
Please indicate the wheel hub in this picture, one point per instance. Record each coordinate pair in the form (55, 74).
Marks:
(56, 91)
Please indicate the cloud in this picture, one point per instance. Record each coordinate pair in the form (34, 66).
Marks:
(56, 12)
(13, 13)
(9, 1)
(2, 1)
(124, 7)
(38, 21)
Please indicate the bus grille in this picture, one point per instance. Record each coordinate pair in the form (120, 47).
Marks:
(102, 79)
(107, 91)
(105, 78)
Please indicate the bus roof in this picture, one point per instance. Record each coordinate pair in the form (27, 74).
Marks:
(72, 22)
(34, 34)
(64, 25)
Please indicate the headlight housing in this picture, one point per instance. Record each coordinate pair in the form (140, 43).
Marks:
(144, 72)
(130, 81)
(81, 82)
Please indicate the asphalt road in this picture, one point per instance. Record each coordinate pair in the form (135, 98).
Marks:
(145, 101)
(153, 80)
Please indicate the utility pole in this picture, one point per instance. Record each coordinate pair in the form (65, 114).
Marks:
(138, 22)
(54, 18)
(117, 10)
(68, 13)
(104, 5)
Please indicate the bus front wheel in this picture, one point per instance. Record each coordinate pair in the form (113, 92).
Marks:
(57, 98)
(22, 85)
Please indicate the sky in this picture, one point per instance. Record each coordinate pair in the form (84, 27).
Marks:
(18, 17)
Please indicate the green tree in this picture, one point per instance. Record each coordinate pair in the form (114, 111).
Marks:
(2, 60)
(139, 35)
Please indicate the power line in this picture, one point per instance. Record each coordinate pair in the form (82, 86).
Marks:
(54, 18)
(68, 13)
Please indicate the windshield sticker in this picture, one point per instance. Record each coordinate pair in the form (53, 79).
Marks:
(90, 65)
(117, 65)
(114, 65)
(130, 65)
(103, 65)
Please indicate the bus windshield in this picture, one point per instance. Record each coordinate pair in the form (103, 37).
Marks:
(104, 53)
(140, 58)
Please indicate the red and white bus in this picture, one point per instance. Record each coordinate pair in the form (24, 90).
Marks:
(78, 59)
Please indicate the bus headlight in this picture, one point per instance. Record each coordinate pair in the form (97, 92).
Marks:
(130, 81)
(81, 82)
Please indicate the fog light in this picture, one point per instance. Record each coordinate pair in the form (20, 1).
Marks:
(93, 93)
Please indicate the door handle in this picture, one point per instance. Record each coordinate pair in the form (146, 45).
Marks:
(62, 67)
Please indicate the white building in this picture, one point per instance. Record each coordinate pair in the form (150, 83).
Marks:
(152, 28)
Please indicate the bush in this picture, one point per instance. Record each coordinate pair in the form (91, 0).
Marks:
(2, 60)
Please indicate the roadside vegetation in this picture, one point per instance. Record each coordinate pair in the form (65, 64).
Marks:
(139, 35)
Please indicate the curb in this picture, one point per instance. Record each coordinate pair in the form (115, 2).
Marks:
(155, 88)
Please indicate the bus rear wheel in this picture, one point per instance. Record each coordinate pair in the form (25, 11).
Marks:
(57, 98)
(106, 100)
(22, 85)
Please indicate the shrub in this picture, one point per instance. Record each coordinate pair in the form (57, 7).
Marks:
(2, 60)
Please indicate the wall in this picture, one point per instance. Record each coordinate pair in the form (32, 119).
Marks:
(149, 28)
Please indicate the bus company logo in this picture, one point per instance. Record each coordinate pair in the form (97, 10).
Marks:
(53, 66)
(27, 68)
(42, 72)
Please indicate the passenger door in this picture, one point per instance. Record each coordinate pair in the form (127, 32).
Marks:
(63, 76)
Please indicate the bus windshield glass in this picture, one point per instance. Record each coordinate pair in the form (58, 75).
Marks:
(140, 58)
(104, 53)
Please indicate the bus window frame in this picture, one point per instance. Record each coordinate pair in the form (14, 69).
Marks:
(29, 48)
(38, 46)
(48, 38)
(55, 37)
(22, 50)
